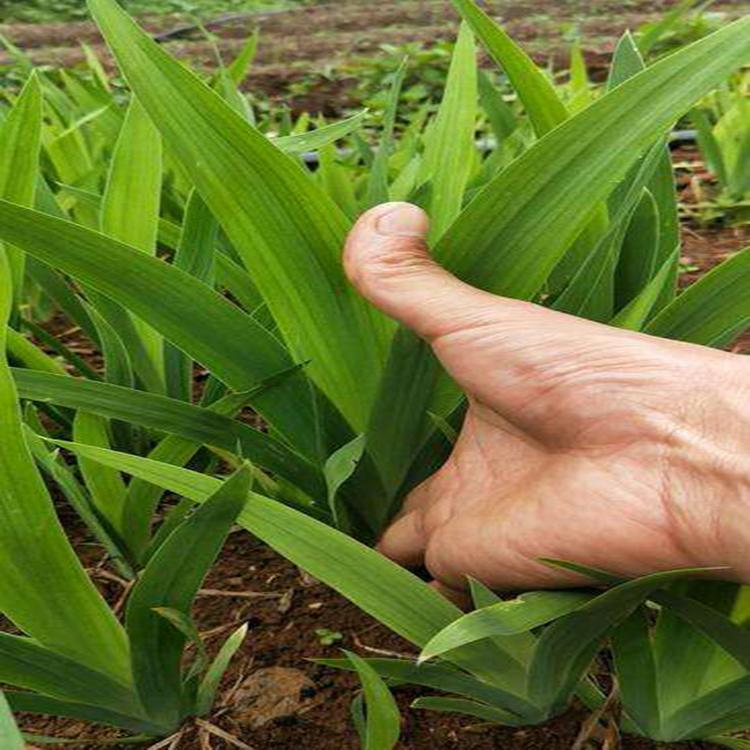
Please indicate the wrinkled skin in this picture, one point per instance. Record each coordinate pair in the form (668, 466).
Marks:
(583, 442)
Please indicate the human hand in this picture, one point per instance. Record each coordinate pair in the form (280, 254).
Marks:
(583, 442)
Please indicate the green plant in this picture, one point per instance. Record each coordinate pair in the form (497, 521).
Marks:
(724, 139)
(74, 657)
(579, 215)
(9, 735)
(328, 637)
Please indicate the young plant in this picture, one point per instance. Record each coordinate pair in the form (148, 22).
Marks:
(724, 139)
(73, 658)
(357, 411)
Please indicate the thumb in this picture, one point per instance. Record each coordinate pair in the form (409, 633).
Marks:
(387, 259)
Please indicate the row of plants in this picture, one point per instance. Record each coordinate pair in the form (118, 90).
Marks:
(58, 11)
(178, 232)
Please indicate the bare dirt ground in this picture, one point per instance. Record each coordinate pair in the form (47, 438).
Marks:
(310, 42)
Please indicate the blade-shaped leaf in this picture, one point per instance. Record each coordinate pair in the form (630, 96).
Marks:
(211, 680)
(235, 347)
(383, 722)
(281, 224)
(575, 167)
(195, 423)
(448, 155)
(26, 664)
(447, 678)
(544, 107)
(568, 645)
(713, 310)
(130, 204)
(320, 137)
(10, 736)
(44, 589)
(466, 708)
(724, 709)
(172, 579)
(19, 164)
(636, 673)
(400, 600)
(509, 617)
(377, 183)
(41, 704)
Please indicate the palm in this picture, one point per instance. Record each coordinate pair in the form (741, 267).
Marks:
(582, 441)
(569, 456)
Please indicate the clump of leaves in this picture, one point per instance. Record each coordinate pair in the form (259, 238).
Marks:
(575, 210)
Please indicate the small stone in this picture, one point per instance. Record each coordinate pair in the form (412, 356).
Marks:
(269, 694)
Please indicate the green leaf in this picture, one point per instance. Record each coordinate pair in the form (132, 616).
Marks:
(636, 673)
(377, 184)
(212, 679)
(195, 254)
(734, 639)
(447, 678)
(186, 625)
(724, 709)
(564, 175)
(50, 463)
(172, 579)
(500, 115)
(339, 468)
(10, 736)
(639, 253)
(393, 595)
(467, 708)
(19, 164)
(709, 146)
(733, 743)
(450, 148)
(282, 225)
(105, 485)
(689, 661)
(635, 315)
(653, 33)
(713, 310)
(204, 426)
(239, 68)
(315, 140)
(130, 206)
(383, 722)
(509, 617)
(568, 645)
(26, 664)
(627, 63)
(44, 589)
(543, 106)
(42, 704)
(235, 347)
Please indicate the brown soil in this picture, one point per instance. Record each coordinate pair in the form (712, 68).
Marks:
(309, 41)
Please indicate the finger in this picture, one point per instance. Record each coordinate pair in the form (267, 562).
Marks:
(387, 259)
(404, 540)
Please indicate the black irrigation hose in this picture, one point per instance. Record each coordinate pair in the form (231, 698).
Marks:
(676, 138)
(180, 31)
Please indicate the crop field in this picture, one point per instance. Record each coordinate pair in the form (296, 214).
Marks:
(311, 55)
(205, 429)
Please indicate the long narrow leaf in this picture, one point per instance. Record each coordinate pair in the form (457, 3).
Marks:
(282, 225)
(172, 579)
(236, 348)
(43, 587)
